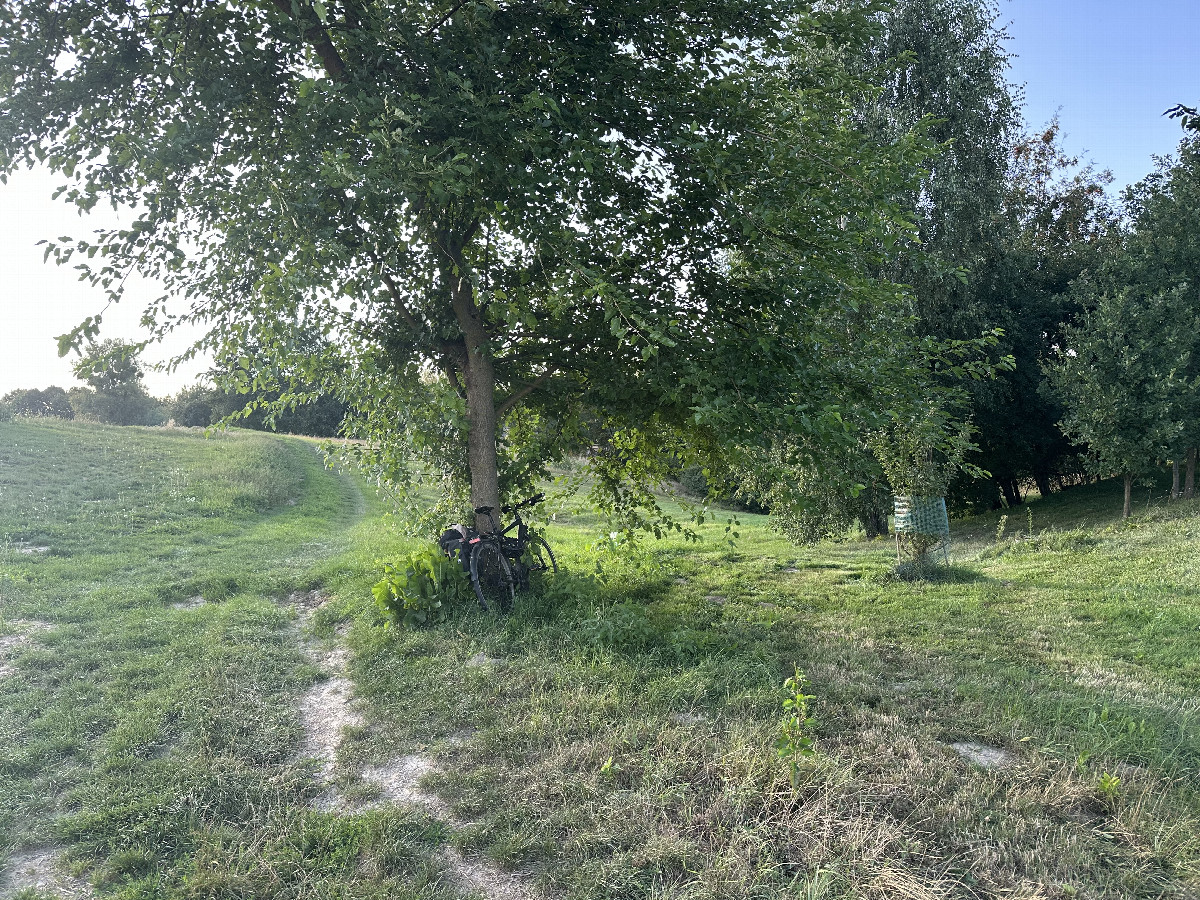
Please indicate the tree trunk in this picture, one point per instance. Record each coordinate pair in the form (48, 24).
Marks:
(480, 386)
(873, 511)
(481, 435)
(1043, 483)
(1175, 479)
(1189, 483)
(874, 522)
(1128, 496)
(1012, 493)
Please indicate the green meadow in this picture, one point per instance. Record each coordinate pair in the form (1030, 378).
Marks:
(184, 620)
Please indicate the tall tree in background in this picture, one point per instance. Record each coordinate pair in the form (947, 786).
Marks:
(1055, 225)
(950, 70)
(1164, 255)
(116, 393)
(503, 217)
(944, 66)
(937, 66)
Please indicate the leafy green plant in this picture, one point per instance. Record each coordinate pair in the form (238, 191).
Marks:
(1001, 526)
(795, 740)
(623, 626)
(1108, 789)
(418, 589)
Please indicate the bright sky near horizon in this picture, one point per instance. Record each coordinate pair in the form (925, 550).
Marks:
(1107, 68)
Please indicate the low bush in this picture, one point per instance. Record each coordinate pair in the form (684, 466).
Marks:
(419, 589)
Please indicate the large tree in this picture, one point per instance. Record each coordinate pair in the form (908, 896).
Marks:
(523, 223)
(939, 66)
(1054, 225)
(948, 67)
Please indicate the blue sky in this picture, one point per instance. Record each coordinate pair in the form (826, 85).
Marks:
(1108, 68)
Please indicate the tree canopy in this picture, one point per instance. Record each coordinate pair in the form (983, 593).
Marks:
(1128, 373)
(1117, 376)
(522, 226)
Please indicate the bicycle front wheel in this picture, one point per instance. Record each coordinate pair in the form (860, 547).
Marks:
(491, 577)
(539, 559)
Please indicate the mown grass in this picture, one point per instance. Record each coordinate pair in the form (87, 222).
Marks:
(624, 748)
(156, 745)
(618, 739)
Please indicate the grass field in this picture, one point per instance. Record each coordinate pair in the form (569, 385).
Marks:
(199, 699)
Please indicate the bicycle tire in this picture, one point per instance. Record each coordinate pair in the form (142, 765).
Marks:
(541, 560)
(491, 577)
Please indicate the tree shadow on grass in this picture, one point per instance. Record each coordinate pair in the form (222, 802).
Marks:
(939, 573)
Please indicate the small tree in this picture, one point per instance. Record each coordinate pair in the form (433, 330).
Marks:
(117, 397)
(1117, 377)
(920, 456)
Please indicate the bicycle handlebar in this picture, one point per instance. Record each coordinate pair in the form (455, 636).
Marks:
(529, 501)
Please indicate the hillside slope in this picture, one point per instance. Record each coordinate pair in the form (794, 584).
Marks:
(206, 703)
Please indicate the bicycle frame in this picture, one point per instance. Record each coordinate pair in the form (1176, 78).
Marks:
(512, 547)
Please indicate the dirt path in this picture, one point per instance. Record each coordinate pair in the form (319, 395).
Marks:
(326, 711)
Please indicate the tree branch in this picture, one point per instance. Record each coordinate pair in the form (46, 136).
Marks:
(506, 407)
(452, 362)
(409, 319)
(446, 18)
(315, 34)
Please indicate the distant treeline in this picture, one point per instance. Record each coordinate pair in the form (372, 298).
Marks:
(116, 395)
(197, 406)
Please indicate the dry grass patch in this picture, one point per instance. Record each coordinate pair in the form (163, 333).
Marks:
(41, 870)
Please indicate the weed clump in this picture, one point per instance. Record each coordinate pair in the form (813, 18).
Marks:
(1048, 541)
(419, 589)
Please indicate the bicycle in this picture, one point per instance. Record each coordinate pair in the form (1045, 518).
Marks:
(499, 562)
(530, 555)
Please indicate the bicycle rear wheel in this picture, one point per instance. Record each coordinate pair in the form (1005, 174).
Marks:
(491, 577)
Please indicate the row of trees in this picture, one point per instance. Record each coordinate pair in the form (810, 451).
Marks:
(115, 391)
(116, 395)
(1095, 301)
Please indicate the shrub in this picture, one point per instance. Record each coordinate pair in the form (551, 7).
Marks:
(419, 589)
(194, 406)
